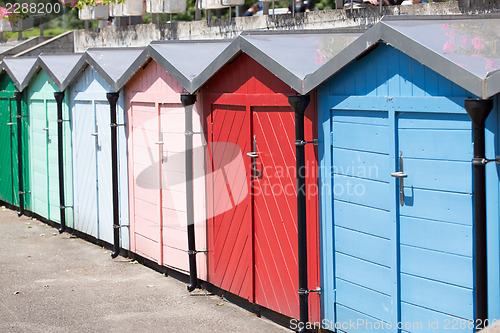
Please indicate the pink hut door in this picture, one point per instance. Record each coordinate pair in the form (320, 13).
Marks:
(157, 180)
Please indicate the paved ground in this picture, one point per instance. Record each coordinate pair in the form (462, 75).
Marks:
(58, 283)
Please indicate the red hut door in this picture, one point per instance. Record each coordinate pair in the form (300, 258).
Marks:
(253, 229)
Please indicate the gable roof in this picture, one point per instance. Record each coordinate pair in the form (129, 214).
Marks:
(20, 70)
(116, 65)
(61, 68)
(185, 61)
(290, 55)
(460, 48)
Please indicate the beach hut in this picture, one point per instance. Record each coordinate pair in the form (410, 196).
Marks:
(263, 237)
(20, 71)
(60, 69)
(13, 143)
(44, 148)
(409, 236)
(100, 146)
(164, 201)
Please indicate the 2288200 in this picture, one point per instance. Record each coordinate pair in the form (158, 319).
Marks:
(32, 8)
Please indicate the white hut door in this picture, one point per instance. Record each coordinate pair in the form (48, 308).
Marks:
(85, 168)
(104, 172)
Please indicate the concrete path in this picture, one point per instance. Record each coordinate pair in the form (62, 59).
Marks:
(59, 283)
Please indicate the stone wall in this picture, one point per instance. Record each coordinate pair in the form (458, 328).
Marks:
(57, 44)
(143, 34)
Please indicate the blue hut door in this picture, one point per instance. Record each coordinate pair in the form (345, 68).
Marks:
(401, 261)
(93, 196)
(85, 167)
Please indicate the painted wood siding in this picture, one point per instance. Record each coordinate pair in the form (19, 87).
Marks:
(8, 136)
(44, 176)
(92, 155)
(157, 171)
(252, 225)
(382, 261)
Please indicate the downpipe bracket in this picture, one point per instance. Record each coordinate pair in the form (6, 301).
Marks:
(307, 292)
(190, 252)
(64, 207)
(192, 133)
(63, 120)
(303, 143)
(116, 125)
(120, 226)
(484, 161)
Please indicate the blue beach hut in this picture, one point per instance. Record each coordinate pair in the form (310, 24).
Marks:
(410, 237)
(100, 145)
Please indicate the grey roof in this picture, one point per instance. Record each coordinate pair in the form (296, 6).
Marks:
(186, 60)
(116, 65)
(62, 68)
(290, 55)
(461, 48)
(20, 70)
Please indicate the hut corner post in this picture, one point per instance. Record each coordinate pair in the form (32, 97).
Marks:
(299, 104)
(478, 110)
(112, 99)
(59, 96)
(188, 101)
(18, 95)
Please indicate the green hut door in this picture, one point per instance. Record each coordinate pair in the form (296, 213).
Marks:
(44, 151)
(9, 188)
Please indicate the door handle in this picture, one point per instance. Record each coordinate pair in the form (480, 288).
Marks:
(253, 154)
(401, 175)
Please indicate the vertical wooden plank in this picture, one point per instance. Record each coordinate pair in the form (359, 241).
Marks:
(123, 172)
(492, 214)
(326, 205)
(394, 217)
(68, 160)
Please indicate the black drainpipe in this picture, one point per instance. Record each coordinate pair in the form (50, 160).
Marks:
(59, 96)
(188, 103)
(112, 99)
(478, 110)
(18, 95)
(299, 104)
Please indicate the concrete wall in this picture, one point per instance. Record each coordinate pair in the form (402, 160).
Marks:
(57, 44)
(22, 46)
(141, 35)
